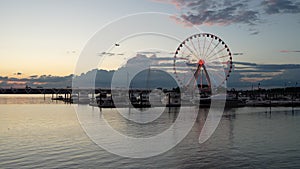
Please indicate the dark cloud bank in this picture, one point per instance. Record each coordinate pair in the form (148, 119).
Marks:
(243, 76)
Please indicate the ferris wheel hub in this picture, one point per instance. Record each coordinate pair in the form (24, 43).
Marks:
(201, 62)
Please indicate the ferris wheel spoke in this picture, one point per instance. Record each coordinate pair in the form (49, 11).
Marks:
(198, 54)
(208, 47)
(225, 63)
(186, 54)
(182, 58)
(220, 74)
(223, 56)
(204, 45)
(221, 50)
(204, 57)
(217, 58)
(190, 50)
(214, 81)
(218, 77)
(213, 50)
(199, 46)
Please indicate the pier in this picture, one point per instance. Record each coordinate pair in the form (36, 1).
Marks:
(283, 97)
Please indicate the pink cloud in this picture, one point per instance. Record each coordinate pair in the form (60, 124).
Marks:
(17, 84)
(255, 79)
(178, 20)
(177, 3)
(39, 83)
(289, 51)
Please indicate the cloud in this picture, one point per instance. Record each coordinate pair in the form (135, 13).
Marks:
(238, 54)
(244, 74)
(34, 81)
(270, 75)
(216, 12)
(289, 51)
(245, 63)
(109, 54)
(71, 52)
(34, 76)
(149, 52)
(254, 33)
(18, 73)
(208, 13)
(281, 6)
(3, 78)
(177, 3)
(265, 67)
(106, 53)
(254, 79)
(227, 12)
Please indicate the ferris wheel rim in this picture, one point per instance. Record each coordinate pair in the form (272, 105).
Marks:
(212, 37)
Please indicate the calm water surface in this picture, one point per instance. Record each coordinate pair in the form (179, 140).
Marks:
(43, 134)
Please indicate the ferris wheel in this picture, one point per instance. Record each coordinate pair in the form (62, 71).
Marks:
(207, 57)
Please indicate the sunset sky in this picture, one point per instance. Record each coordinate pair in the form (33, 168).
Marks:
(46, 37)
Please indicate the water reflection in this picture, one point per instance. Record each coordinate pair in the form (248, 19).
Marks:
(49, 136)
(28, 99)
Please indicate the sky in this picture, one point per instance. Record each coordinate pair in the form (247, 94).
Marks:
(45, 38)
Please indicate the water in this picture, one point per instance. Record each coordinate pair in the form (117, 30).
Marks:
(27, 99)
(44, 135)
